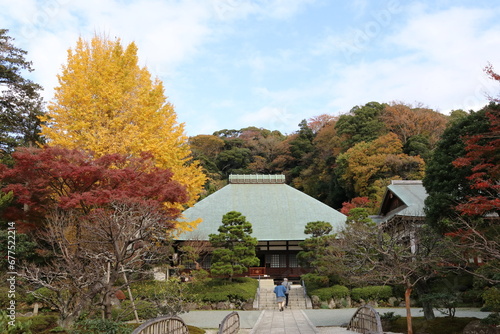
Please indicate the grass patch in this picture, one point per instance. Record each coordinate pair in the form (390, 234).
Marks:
(195, 330)
(441, 325)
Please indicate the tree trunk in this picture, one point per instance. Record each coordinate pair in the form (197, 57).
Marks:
(107, 305)
(66, 320)
(422, 290)
(107, 290)
(408, 309)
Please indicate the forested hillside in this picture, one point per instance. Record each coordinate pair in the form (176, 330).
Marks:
(335, 159)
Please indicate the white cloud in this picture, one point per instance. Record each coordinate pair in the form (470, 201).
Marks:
(275, 118)
(438, 60)
(241, 9)
(166, 33)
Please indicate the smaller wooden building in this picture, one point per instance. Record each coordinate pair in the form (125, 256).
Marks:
(402, 209)
(278, 214)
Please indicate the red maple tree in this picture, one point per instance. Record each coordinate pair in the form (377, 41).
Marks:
(54, 177)
(483, 156)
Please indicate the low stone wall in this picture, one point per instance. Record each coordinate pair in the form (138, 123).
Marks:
(247, 306)
(337, 303)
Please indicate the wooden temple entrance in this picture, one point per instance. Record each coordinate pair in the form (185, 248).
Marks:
(278, 259)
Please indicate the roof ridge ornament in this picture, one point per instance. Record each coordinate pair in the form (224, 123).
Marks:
(257, 178)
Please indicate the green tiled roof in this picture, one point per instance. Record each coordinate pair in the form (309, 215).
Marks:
(412, 193)
(275, 210)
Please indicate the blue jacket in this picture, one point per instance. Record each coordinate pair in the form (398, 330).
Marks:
(280, 291)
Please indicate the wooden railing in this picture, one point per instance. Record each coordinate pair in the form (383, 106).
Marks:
(163, 325)
(365, 320)
(230, 324)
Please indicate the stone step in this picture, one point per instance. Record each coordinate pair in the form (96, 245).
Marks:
(296, 298)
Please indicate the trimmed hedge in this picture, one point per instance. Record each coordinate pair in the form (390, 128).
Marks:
(336, 292)
(211, 291)
(219, 290)
(382, 292)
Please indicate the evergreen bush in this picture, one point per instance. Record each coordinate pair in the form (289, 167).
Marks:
(492, 299)
(382, 292)
(315, 281)
(145, 310)
(336, 292)
(97, 326)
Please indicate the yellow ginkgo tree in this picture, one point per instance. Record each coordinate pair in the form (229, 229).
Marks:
(106, 103)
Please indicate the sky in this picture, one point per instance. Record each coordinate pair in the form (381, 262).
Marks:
(230, 64)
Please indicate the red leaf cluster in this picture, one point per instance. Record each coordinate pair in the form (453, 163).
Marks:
(57, 177)
(356, 202)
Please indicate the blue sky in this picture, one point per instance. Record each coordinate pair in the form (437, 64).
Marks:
(228, 64)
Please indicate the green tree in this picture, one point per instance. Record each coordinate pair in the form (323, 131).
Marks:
(20, 101)
(319, 179)
(315, 248)
(418, 145)
(446, 184)
(234, 246)
(358, 216)
(234, 160)
(368, 167)
(361, 124)
(318, 228)
(297, 153)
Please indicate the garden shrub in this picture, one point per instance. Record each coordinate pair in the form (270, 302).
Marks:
(4, 297)
(336, 292)
(315, 281)
(492, 319)
(382, 292)
(43, 322)
(389, 316)
(97, 326)
(491, 298)
(219, 290)
(145, 310)
(206, 290)
(41, 294)
(214, 297)
(21, 296)
(145, 289)
(20, 327)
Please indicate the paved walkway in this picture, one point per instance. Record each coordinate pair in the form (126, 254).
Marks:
(327, 321)
(286, 322)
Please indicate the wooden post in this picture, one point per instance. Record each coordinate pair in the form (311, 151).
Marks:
(130, 296)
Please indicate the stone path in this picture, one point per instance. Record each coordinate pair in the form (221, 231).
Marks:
(286, 322)
(326, 321)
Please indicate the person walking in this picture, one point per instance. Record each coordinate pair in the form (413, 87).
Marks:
(279, 291)
(287, 286)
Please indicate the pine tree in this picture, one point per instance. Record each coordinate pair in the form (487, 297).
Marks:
(106, 103)
(235, 247)
(20, 101)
